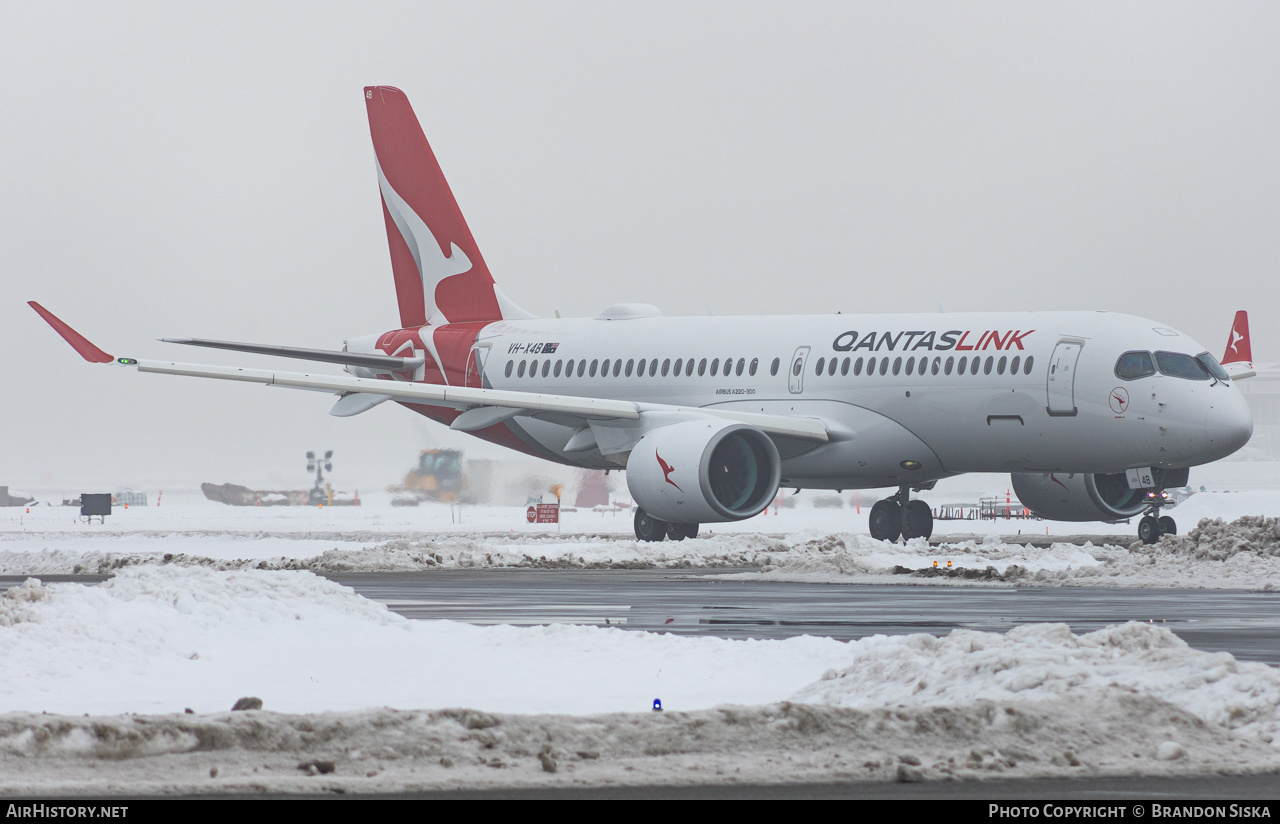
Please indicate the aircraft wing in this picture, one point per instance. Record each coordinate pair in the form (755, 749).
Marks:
(480, 407)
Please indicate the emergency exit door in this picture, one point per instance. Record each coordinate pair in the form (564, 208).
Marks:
(795, 372)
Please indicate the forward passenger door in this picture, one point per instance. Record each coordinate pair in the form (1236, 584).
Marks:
(1062, 378)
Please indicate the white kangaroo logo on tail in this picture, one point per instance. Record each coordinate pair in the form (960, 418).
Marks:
(432, 265)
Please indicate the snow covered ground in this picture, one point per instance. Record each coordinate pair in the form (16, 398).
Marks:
(811, 544)
(346, 682)
(208, 604)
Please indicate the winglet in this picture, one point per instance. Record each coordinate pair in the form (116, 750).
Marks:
(78, 341)
(1238, 348)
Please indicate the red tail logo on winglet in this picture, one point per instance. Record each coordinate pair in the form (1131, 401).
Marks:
(439, 273)
(1238, 348)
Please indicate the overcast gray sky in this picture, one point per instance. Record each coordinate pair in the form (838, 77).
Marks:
(205, 169)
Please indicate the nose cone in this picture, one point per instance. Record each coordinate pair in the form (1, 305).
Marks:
(1228, 423)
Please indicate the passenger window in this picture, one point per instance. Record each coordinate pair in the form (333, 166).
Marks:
(986, 370)
(973, 366)
(675, 370)
(546, 368)
(631, 362)
(617, 367)
(688, 368)
(857, 367)
(1133, 365)
(520, 371)
(742, 364)
(666, 367)
(715, 367)
(755, 362)
(795, 370)
(817, 370)
(558, 367)
(884, 365)
(604, 368)
(1000, 365)
(568, 369)
(844, 367)
(510, 365)
(702, 367)
(946, 370)
(582, 366)
(911, 365)
(897, 365)
(1178, 365)
(936, 363)
(1026, 369)
(964, 362)
(831, 368)
(871, 366)
(594, 364)
(640, 371)
(653, 367)
(1013, 364)
(773, 368)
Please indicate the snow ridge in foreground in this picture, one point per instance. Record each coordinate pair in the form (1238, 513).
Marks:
(384, 750)
(1038, 700)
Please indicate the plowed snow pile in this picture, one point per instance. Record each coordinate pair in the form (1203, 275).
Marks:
(1035, 701)
(1242, 554)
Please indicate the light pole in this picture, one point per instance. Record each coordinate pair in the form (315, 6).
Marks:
(320, 466)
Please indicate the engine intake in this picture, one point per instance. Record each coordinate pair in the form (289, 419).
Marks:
(704, 471)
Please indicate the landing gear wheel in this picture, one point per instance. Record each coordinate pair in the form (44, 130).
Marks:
(1149, 529)
(649, 528)
(885, 521)
(1168, 526)
(678, 532)
(917, 520)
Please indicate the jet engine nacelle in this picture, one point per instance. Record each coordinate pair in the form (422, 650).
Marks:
(1060, 496)
(704, 471)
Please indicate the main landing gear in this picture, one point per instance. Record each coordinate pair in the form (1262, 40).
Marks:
(1153, 524)
(649, 528)
(899, 516)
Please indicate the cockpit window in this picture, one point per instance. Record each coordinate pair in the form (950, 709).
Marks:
(1134, 365)
(1178, 365)
(1211, 365)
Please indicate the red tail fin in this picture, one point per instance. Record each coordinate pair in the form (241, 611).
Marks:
(1238, 341)
(439, 272)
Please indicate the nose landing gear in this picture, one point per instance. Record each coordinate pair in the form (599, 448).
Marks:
(899, 516)
(1153, 525)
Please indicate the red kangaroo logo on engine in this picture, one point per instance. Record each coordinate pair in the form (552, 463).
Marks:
(667, 469)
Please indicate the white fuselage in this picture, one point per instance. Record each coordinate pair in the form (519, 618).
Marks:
(1045, 395)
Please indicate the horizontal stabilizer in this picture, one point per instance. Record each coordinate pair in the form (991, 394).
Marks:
(1239, 370)
(383, 363)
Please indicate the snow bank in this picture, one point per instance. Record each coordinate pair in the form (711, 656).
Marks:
(1242, 554)
(1033, 702)
(161, 639)
(384, 750)
(1037, 662)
